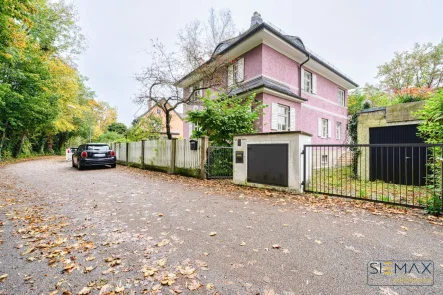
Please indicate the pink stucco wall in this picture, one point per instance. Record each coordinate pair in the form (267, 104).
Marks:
(324, 104)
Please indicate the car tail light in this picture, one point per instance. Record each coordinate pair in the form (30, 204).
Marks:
(84, 154)
(112, 153)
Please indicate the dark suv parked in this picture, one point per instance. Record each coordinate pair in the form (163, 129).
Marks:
(94, 154)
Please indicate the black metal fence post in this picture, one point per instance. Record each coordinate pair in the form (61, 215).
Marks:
(304, 182)
(441, 177)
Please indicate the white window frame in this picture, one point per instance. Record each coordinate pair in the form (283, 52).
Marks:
(324, 159)
(283, 113)
(307, 81)
(324, 128)
(341, 97)
(338, 130)
(235, 77)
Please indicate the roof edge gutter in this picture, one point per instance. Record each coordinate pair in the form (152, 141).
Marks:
(299, 73)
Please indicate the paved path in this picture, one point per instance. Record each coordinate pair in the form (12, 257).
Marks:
(190, 232)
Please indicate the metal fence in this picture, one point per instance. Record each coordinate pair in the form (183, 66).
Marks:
(219, 164)
(399, 174)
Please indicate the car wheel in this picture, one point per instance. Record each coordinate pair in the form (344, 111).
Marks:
(73, 165)
(113, 165)
(79, 165)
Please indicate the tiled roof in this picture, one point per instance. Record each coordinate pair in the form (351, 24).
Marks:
(260, 82)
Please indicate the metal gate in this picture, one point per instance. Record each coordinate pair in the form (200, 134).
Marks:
(399, 174)
(219, 164)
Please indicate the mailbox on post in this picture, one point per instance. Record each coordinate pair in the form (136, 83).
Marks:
(193, 144)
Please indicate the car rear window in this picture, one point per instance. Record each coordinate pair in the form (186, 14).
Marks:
(97, 148)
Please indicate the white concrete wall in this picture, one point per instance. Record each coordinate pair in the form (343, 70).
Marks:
(295, 141)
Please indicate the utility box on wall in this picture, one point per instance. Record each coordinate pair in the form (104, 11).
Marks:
(271, 160)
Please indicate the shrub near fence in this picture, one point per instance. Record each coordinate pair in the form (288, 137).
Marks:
(171, 156)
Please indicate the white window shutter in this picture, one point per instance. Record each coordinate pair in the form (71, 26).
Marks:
(292, 119)
(314, 84)
(329, 128)
(240, 70)
(274, 116)
(230, 75)
(320, 126)
(302, 79)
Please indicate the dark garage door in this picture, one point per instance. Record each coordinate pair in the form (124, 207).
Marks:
(268, 164)
(400, 165)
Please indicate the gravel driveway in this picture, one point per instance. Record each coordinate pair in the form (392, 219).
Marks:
(134, 232)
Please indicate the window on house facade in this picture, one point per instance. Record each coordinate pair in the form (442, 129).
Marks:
(307, 81)
(324, 131)
(341, 97)
(338, 130)
(283, 118)
(236, 72)
(324, 159)
(198, 93)
(159, 111)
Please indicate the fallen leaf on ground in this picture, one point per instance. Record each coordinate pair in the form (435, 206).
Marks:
(209, 286)
(194, 285)
(242, 244)
(88, 269)
(106, 290)
(3, 277)
(318, 242)
(168, 278)
(317, 273)
(163, 243)
(85, 291)
(119, 289)
(161, 262)
(276, 246)
(212, 233)
(149, 271)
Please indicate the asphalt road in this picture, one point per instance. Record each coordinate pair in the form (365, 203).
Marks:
(192, 233)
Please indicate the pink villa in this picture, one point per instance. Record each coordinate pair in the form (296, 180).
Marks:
(302, 91)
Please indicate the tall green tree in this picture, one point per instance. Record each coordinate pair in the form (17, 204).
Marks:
(226, 116)
(421, 67)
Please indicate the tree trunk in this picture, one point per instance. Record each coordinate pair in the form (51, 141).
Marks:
(3, 138)
(61, 140)
(168, 124)
(18, 148)
(50, 144)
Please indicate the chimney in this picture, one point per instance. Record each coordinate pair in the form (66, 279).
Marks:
(256, 19)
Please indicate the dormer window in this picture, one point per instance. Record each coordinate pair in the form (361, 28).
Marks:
(236, 72)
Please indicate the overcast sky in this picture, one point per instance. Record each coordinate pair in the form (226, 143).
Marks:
(355, 36)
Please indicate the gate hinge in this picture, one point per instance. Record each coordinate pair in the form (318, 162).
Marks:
(302, 152)
(302, 183)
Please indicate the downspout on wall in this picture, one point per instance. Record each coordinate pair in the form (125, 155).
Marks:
(299, 71)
